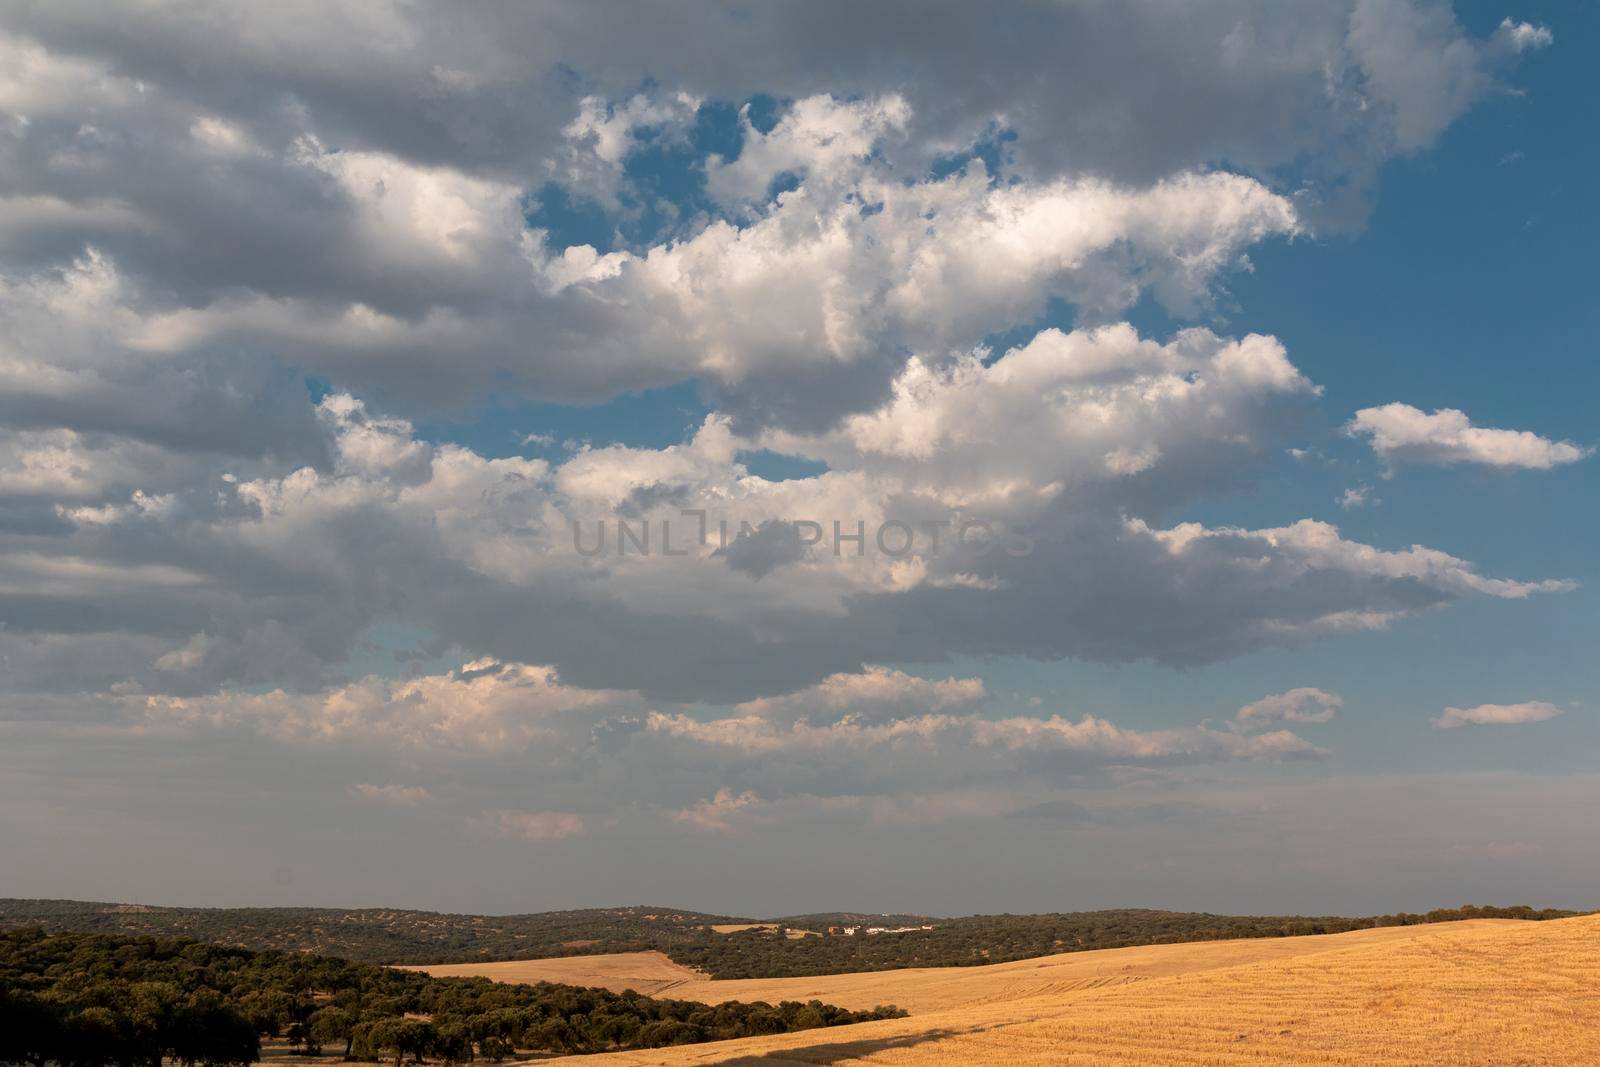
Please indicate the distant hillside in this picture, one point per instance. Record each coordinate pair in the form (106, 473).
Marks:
(395, 936)
(378, 935)
(77, 1000)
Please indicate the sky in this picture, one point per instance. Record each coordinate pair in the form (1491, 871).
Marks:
(772, 459)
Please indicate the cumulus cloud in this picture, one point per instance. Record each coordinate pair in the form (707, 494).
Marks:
(1400, 433)
(356, 242)
(1514, 36)
(1017, 484)
(820, 140)
(1496, 715)
(797, 317)
(1294, 705)
(1357, 496)
(875, 695)
(794, 318)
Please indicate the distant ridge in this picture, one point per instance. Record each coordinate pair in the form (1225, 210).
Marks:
(404, 936)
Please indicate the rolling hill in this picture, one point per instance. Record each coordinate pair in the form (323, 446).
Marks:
(1472, 992)
(721, 946)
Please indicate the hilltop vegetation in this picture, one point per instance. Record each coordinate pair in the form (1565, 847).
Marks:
(390, 936)
(83, 1000)
(982, 939)
(378, 935)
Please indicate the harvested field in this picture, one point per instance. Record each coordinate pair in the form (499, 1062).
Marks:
(924, 989)
(1475, 992)
(651, 973)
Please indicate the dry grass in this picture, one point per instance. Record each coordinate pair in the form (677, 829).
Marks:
(734, 928)
(651, 973)
(1459, 993)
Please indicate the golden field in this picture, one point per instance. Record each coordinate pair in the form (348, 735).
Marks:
(650, 973)
(1476, 992)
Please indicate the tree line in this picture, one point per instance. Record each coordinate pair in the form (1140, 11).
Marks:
(98, 1000)
(980, 939)
(394, 936)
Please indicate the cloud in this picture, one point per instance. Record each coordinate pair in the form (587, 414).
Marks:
(762, 549)
(716, 815)
(179, 507)
(603, 134)
(356, 242)
(880, 744)
(794, 319)
(1496, 715)
(399, 796)
(1273, 84)
(485, 706)
(1294, 705)
(875, 695)
(1516, 37)
(1020, 479)
(1095, 411)
(1358, 496)
(533, 826)
(820, 141)
(1400, 433)
(1418, 66)
(1095, 740)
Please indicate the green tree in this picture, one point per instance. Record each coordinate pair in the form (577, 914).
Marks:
(331, 1025)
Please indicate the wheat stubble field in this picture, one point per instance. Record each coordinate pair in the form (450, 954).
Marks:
(650, 973)
(1476, 992)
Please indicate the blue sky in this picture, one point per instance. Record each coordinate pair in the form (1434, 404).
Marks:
(304, 390)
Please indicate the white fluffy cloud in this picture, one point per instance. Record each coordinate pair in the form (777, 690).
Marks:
(1357, 496)
(1294, 705)
(820, 140)
(798, 316)
(1092, 411)
(1400, 433)
(1496, 715)
(1514, 36)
